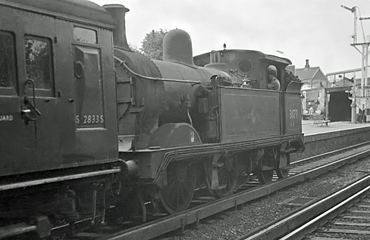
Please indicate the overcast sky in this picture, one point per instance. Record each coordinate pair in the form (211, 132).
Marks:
(318, 30)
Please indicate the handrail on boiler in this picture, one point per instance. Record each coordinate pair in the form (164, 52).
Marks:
(124, 64)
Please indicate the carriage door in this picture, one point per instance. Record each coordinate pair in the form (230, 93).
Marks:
(89, 101)
(26, 91)
(37, 91)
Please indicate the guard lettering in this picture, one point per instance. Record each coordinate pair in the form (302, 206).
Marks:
(6, 118)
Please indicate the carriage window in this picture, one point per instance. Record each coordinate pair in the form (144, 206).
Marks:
(84, 35)
(39, 61)
(7, 60)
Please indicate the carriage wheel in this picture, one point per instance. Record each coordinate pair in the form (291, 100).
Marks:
(177, 195)
(227, 177)
(282, 170)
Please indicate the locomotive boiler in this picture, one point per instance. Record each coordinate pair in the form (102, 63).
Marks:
(92, 131)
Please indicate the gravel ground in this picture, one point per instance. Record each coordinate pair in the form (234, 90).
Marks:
(233, 224)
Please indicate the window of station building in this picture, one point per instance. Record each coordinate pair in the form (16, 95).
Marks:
(7, 60)
(39, 61)
(84, 35)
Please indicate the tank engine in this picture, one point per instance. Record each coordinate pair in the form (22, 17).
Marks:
(210, 123)
(89, 125)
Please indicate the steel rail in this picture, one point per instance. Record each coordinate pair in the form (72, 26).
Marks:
(314, 223)
(301, 161)
(179, 221)
(296, 224)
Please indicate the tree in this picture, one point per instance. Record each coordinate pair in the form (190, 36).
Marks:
(152, 45)
(133, 48)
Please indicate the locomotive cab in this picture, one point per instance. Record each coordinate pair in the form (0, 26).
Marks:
(246, 113)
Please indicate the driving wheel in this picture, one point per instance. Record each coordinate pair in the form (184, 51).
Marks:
(245, 168)
(265, 176)
(264, 171)
(177, 195)
(227, 176)
(282, 170)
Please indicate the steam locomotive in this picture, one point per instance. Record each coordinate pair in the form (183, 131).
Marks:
(89, 125)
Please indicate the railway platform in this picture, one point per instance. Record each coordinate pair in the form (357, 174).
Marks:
(321, 139)
(309, 128)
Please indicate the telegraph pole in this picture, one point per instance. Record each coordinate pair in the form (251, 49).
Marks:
(364, 83)
(354, 37)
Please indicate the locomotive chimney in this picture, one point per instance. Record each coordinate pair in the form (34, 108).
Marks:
(118, 13)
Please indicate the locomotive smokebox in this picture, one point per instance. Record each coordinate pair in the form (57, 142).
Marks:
(118, 13)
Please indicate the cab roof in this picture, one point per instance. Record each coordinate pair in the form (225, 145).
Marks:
(81, 11)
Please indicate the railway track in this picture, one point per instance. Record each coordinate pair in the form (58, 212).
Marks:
(203, 207)
(342, 215)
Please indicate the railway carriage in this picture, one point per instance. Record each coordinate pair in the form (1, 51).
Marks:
(89, 125)
(57, 99)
